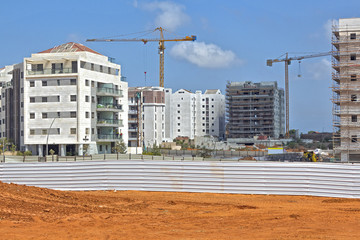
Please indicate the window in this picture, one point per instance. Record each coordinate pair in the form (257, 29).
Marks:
(352, 57)
(92, 115)
(44, 99)
(353, 118)
(354, 138)
(92, 131)
(32, 84)
(58, 98)
(22, 118)
(86, 82)
(21, 105)
(87, 114)
(178, 111)
(92, 99)
(92, 84)
(178, 105)
(87, 130)
(32, 99)
(92, 66)
(58, 130)
(72, 81)
(58, 114)
(44, 83)
(73, 114)
(44, 131)
(179, 118)
(44, 115)
(101, 68)
(22, 133)
(72, 130)
(178, 130)
(32, 132)
(353, 78)
(58, 82)
(87, 99)
(353, 98)
(100, 148)
(352, 35)
(73, 98)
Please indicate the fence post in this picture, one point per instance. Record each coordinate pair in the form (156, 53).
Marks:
(104, 156)
(24, 159)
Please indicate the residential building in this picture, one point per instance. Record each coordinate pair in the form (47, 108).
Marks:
(194, 114)
(146, 116)
(346, 88)
(68, 98)
(254, 109)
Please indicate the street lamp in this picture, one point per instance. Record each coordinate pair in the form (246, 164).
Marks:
(47, 138)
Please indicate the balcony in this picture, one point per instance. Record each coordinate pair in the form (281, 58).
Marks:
(50, 71)
(109, 122)
(109, 92)
(133, 120)
(109, 107)
(109, 137)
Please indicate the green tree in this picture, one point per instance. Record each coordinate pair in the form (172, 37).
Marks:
(4, 142)
(120, 147)
(13, 148)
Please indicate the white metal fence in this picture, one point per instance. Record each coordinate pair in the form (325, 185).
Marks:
(281, 178)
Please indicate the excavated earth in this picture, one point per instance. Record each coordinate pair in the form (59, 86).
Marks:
(37, 213)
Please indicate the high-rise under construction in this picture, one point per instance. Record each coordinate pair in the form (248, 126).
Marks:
(346, 88)
(254, 109)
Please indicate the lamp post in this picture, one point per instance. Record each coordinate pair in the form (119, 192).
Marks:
(47, 138)
(85, 140)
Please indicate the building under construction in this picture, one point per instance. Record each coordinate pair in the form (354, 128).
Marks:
(346, 88)
(254, 109)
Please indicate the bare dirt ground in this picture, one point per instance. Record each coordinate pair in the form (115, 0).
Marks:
(36, 213)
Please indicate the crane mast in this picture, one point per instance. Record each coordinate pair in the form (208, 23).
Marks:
(287, 60)
(161, 47)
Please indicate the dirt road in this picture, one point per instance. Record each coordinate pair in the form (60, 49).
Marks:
(35, 213)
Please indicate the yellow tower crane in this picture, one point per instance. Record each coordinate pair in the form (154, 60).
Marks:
(161, 41)
(287, 60)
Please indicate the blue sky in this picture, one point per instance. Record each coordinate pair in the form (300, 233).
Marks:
(234, 39)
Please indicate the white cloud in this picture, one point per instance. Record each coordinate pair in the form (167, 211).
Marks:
(204, 55)
(319, 70)
(73, 37)
(135, 3)
(170, 15)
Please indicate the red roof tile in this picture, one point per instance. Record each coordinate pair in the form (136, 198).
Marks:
(70, 47)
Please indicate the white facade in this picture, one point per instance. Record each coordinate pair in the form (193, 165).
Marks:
(195, 114)
(146, 115)
(70, 98)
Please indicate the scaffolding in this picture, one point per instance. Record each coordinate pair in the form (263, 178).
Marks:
(254, 109)
(346, 89)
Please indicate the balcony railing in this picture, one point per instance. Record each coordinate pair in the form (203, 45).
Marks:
(111, 91)
(109, 121)
(49, 71)
(109, 106)
(109, 136)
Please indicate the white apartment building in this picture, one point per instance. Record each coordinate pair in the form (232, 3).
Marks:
(68, 98)
(146, 116)
(194, 114)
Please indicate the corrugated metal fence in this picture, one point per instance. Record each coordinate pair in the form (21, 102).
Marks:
(317, 179)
